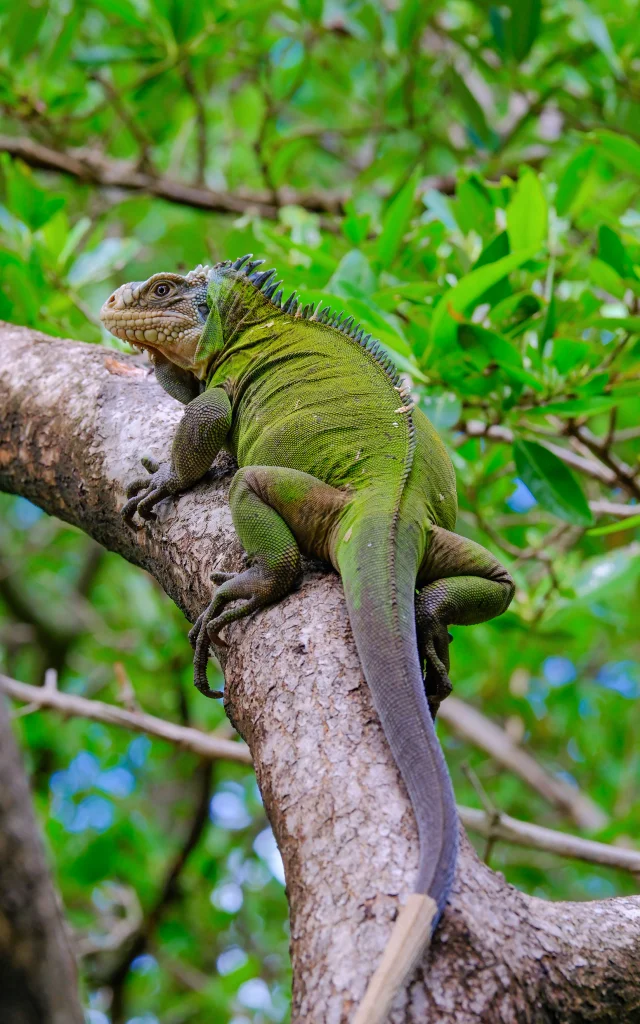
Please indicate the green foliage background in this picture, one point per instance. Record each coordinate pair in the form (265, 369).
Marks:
(461, 177)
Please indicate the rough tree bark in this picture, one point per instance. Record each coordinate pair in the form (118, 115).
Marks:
(75, 420)
(38, 983)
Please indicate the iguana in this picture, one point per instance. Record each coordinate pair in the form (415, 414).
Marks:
(335, 461)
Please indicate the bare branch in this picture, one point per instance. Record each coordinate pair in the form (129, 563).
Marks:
(206, 745)
(480, 731)
(510, 830)
(92, 166)
(476, 428)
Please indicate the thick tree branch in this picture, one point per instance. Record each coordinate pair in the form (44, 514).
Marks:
(37, 970)
(75, 420)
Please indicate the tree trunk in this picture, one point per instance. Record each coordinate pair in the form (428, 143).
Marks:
(38, 983)
(77, 419)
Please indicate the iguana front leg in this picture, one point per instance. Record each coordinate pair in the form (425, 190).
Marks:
(197, 440)
(460, 583)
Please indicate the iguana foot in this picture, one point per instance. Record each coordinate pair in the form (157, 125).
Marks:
(252, 589)
(433, 641)
(161, 484)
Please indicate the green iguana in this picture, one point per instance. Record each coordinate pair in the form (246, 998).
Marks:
(335, 462)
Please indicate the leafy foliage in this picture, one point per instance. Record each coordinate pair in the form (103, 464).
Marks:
(482, 165)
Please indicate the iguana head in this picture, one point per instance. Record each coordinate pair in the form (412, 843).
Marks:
(165, 314)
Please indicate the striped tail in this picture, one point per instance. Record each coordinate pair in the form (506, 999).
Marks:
(378, 575)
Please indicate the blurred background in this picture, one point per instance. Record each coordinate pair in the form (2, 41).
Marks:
(462, 177)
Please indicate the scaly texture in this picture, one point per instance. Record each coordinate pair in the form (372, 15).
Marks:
(295, 691)
(335, 463)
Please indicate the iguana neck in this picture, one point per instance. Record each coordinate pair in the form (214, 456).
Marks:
(239, 303)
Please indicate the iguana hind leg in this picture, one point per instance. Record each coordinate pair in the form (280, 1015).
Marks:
(459, 583)
(276, 513)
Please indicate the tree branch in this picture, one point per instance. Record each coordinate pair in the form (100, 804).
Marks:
(535, 837)
(76, 419)
(37, 971)
(91, 166)
(203, 744)
(479, 730)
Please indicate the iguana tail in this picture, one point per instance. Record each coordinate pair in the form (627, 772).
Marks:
(378, 568)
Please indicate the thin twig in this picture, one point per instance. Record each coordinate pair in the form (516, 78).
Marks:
(535, 837)
(197, 742)
(479, 730)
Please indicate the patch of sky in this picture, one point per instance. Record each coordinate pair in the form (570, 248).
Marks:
(568, 778)
(586, 708)
(138, 751)
(255, 995)
(536, 696)
(228, 897)
(287, 53)
(81, 774)
(598, 887)
(144, 964)
(24, 514)
(574, 751)
(227, 808)
(116, 781)
(231, 959)
(558, 671)
(522, 499)
(267, 849)
(95, 1017)
(622, 677)
(94, 812)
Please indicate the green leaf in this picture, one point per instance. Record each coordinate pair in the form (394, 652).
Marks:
(575, 407)
(474, 211)
(500, 351)
(572, 187)
(396, 221)
(527, 213)
(353, 277)
(522, 28)
(467, 292)
(620, 150)
(551, 482)
(312, 9)
(473, 112)
(604, 276)
(613, 252)
(629, 523)
(568, 353)
(31, 204)
(596, 28)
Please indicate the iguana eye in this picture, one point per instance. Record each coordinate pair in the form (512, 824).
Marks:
(162, 289)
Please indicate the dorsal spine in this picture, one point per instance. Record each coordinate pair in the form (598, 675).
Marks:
(263, 282)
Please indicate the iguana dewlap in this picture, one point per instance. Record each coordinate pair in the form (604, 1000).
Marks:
(335, 462)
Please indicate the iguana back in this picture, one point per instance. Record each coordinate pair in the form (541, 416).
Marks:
(334, 461)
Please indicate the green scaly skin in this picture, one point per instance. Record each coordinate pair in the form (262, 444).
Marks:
(334, 462)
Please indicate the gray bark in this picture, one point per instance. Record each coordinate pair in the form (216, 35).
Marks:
(76, 419)
(38, 983)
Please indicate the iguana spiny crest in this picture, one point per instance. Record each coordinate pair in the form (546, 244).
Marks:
(167, 313)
